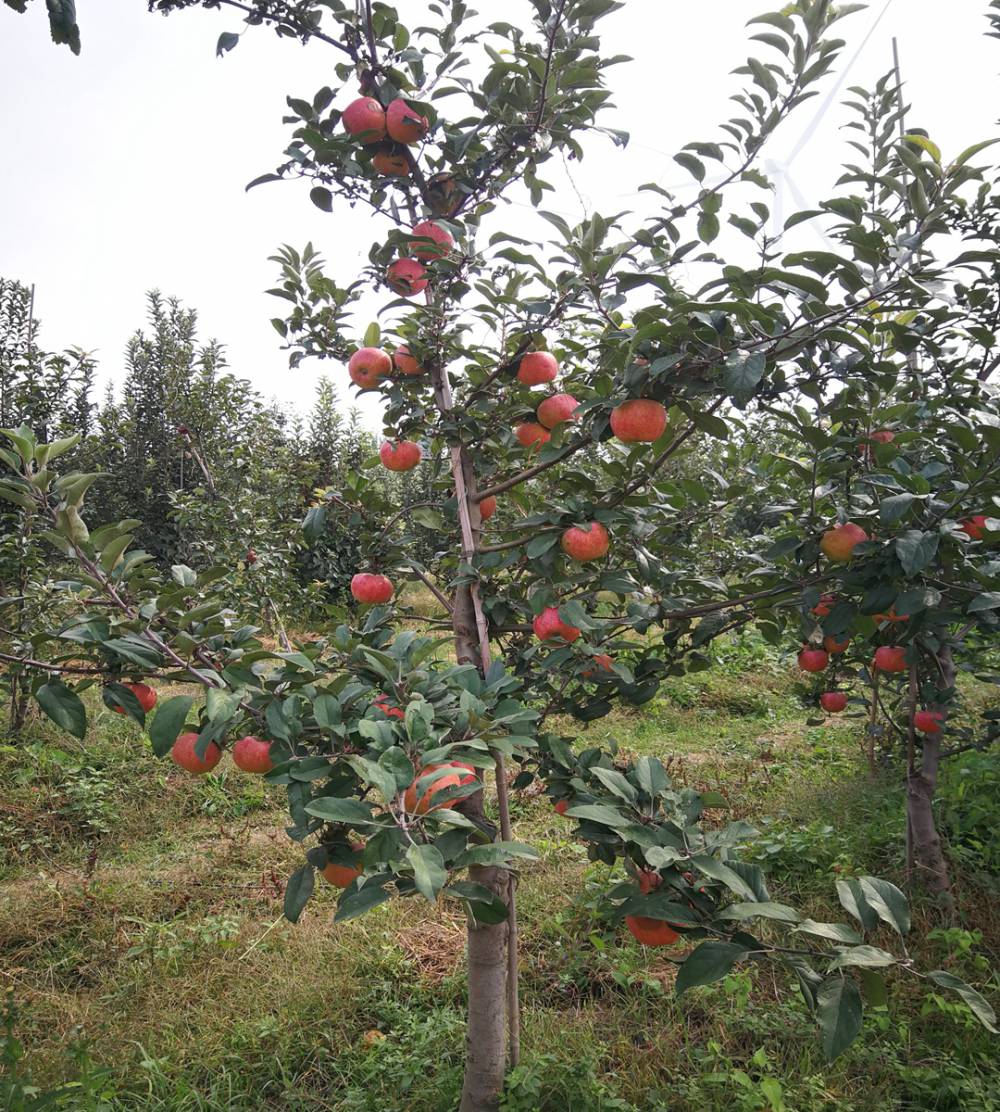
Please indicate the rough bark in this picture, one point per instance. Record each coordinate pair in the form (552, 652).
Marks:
(492, 949)
(485, 1051)
(929, 863)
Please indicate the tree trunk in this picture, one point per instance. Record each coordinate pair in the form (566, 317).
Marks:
(485, 1053)
(930, 866)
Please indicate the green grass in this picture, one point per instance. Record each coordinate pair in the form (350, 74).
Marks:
(141, 937)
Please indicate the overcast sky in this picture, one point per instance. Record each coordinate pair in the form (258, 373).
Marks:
(124, 169)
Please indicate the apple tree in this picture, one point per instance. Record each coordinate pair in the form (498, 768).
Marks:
(548, 390)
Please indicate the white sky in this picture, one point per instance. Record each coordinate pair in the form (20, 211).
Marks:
(124, 169)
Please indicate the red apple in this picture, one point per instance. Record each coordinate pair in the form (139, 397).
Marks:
(548, 626)
(404, 455)
(974, 527)
(404, 124)
(555, 409)
(144, 693)
(838, 543)
(341, 876)
(406, 364)
(651, 932)
(561, 806)
(640, 420)
(391, 165)
(891, 658)
(832, 645)
(649, 880)
(824, 606)
(883, 436)
(441, 238)
(529, 434)
(813, 660)
(833, 701)
(604, 664)
(368, 367)
(387, 708)
(251, 556)
(253, 754)
(586, 544)
(487, 508)
(536, 368)
(406, 277)
(183, 754)
(464, 774)
(370, 588)
(365, 118)
(892, 616)
(928, 721)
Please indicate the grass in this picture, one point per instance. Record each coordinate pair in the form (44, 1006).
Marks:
(141, 938)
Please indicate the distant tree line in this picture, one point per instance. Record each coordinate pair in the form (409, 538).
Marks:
(215, 473)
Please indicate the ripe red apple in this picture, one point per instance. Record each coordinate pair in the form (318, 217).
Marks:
(487, 508)
(832, 645)
(651, 932)
(464, 774)
(555, 409)
(838, 543)
(536, 368)
(604, 664)
(406, 364)
(341, 876)
(365, 118)
(928, 721)
(638, 421)
(144, 693)
(649, 880)
(974, 527)
(548, 626)
(833, 701)
(404, 455)
(892, 616)
(561, 806)
(813, 660)
(883, 436)
(891, 658)
(387, 708)
(183, 754)
(391, 165)
(441, 238)
(368, 367)
(404, 124)
(529, 434)
(371, 589)
(586, 544)
(824, 606)
(406, 277)
(253, 754)
(251, 556)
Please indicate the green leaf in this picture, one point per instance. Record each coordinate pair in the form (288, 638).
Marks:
(297, 892)
(334, 808)
(399, 766)
(838, 1008)
(227, 41)
(977, 1004)
(484, 905)
(602, 815)
(356, 901)
(869, 956)
(321, 197)
(988, 600)
(708, 226)
(717, 871)
(837, 932)
(707, 963)
(763, 910)
(895, 507)
(64, 707)
(168, 723)
(498, 853)
(888, 903)
(694, 166)
(429, 872)
(853, 901)
(616, 783)
(916, 549)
